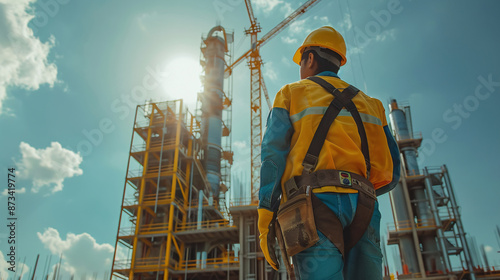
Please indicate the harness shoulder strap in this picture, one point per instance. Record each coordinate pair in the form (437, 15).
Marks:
(340, 101)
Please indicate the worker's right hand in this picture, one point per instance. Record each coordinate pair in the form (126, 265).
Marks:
(267, 236)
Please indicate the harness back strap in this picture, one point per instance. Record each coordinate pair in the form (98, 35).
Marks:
(339, 101)
(326, 220)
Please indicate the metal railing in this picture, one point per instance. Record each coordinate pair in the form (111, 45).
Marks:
(204, 225)
(406, 225)
(122, 264)
(194, 203)
(151, 199)
(154, 171)
(153, 228)
(126, 231)
(209, 263)
(243, 201)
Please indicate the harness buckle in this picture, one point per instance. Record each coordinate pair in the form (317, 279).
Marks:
(291, 188)
(345, 178)
(309, 163)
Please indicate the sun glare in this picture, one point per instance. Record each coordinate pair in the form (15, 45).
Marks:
(183, 80)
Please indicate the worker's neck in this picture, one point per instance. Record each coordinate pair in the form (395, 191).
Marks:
(328, 73)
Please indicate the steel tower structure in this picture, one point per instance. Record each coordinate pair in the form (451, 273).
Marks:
(427, 223)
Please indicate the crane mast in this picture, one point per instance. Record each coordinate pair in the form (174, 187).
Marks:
(257, 84)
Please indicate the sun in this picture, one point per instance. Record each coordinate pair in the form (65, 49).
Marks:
(183, 80)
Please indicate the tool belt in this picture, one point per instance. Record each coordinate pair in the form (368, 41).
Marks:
(299, 218)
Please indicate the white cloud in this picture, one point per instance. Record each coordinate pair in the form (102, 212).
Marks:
(488, 248)
(48, 167)
(287, 9)
(323, 19)
(22, 190)
(266, 5)
(346, 23)
(4, 267)
(286, 61)
(391, 33)
(298, 26)
(240, 144)
(363, 44)
(288, 40)
(81, 254)
(269, 72)
(23, 57)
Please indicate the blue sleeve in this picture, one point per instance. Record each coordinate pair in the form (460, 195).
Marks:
(274, 151)
(396, 162)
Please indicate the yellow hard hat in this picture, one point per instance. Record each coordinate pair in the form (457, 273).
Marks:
(325, 37)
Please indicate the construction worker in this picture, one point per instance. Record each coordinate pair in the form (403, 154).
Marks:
(328, 145)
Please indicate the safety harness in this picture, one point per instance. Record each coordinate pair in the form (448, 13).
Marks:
(326, 220)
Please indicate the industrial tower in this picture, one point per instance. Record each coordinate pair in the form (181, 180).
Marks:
(427, 224)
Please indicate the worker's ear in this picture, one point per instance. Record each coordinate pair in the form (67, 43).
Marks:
(310, 61)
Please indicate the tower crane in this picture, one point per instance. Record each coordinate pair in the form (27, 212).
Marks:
(257, 84)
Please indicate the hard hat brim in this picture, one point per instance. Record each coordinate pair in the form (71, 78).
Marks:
(298, 55)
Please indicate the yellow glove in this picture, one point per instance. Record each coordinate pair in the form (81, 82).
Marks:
(268, 236)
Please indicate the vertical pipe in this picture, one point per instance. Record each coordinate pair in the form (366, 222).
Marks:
(54, 273)
(485, 258)
(498, 236)
(59, 267)
(214, 53)
(204, 259)
(456, 213)
(401, 204)
(34, 269)
(405, 255)
(480, 264)
(200, 209)
(198, 259)
(437, 219)
(409, 121)
(45, 266)
(241, 255)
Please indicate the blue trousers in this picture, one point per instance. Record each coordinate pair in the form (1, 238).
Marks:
(324, 260)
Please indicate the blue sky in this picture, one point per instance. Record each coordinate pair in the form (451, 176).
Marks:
(70, 78)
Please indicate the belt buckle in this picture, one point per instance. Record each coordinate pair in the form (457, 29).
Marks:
(345, 178)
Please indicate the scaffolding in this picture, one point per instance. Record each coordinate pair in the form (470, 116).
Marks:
(170, 226)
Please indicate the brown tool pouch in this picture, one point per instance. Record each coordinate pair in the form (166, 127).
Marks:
(296, 220)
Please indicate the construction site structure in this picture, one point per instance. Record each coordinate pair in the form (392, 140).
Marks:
(174, 220)
(427, 224)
